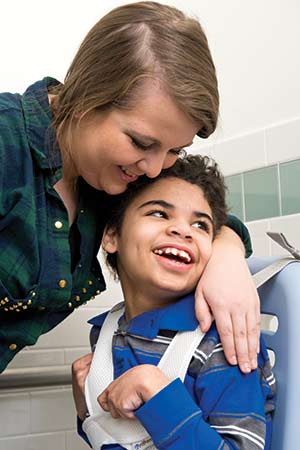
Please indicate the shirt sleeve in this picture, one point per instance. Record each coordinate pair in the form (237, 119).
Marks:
(240, 228)
(229, 412)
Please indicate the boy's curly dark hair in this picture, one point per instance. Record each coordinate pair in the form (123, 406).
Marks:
(195, 169)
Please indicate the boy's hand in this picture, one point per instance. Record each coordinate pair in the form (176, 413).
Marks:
(80, 369)
(135, 387)
(226, 288)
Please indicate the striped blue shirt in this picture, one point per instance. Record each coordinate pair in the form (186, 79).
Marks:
(216, 408)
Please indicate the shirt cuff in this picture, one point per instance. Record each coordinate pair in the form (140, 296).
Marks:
(240, 228)
(81, 432)
(168, 410)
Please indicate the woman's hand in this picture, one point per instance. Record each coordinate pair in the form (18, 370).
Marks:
(129, 391)
(80, 369)
(227, 290)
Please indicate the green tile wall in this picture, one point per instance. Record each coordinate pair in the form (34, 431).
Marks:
(266, 192)
(290, 187)
(235, 195)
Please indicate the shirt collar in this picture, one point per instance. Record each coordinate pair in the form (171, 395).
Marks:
(38, 117)
(178, 316)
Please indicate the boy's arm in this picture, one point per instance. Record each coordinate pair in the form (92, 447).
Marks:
(80, 369)
(231, 414)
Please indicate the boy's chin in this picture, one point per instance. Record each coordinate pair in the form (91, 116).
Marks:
(174, 294)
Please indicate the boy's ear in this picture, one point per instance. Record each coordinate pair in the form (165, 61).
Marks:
(109, 240)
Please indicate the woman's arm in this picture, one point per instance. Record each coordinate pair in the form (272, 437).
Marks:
(227, 290)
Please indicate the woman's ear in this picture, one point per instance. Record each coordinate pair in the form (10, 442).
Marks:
(110, 240)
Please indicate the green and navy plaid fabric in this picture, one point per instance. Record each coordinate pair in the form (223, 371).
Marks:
(37, 287)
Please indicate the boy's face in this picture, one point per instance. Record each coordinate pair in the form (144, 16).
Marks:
(165, 240)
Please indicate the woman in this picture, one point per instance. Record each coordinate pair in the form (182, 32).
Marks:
(141, 86)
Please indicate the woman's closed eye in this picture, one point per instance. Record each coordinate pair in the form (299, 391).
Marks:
(174, 151)
(139, 145)
(178, 152)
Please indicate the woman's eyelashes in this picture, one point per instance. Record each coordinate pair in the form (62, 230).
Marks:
(144, 147)
(139, 145)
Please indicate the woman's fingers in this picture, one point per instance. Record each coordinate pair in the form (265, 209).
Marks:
(253, 327)
(225, 329)
(202, 310)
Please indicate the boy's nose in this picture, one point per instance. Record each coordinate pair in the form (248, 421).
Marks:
(180, 230)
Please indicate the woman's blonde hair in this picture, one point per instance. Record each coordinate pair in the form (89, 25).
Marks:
(133, 43)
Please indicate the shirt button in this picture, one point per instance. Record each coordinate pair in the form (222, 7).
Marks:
(12, 347)
(77, 298)
(62, 284)
(58, 224)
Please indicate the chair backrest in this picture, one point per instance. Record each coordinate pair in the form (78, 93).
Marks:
(280, 296)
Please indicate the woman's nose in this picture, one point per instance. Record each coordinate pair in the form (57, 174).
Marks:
(152, 164)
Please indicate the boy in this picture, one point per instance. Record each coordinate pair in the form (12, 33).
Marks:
(158, 240)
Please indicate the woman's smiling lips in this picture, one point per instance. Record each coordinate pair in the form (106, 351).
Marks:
(127, 175)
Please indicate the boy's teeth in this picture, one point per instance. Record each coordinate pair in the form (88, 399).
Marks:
(174, 251)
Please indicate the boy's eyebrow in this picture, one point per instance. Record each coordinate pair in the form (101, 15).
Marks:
(152, 140)
(168, 205)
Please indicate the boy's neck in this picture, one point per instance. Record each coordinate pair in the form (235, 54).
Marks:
(138, 303)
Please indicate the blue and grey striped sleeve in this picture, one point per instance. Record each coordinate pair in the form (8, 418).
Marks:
(223, 409)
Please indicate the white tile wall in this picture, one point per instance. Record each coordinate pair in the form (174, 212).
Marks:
(242, 153)
(51, 410)
(263, 245)
(260, 241)
(74, 442)
(14, 414)
(283, 141)
(45, 419)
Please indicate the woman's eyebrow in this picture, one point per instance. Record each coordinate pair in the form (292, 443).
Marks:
(150, 139)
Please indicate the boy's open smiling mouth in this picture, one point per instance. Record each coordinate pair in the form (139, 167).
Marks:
(175, 254)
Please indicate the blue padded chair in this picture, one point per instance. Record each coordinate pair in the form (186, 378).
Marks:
(280, 296)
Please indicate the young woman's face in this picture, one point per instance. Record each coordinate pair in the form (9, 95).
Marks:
(165, 240)
(110, 150)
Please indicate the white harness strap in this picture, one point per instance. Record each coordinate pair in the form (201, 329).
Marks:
(268, 272)
(100, 427)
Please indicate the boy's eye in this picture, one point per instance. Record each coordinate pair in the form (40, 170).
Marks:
(201, 225)
(157, 213)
